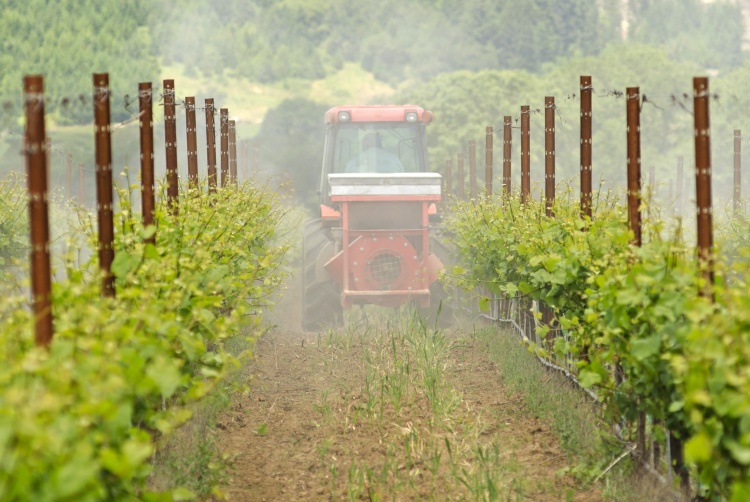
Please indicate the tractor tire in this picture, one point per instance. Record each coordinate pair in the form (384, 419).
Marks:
(440, 311)
(321, 303)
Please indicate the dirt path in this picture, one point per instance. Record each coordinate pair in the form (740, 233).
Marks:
(395, 412)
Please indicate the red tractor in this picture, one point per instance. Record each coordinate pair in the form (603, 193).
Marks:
(372, 243)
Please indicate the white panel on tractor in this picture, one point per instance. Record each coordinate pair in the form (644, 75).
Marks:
(385, 184)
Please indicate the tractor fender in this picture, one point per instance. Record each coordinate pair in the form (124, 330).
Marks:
(434, 267)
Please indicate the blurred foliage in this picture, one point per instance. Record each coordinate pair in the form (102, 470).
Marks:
(14, 225)
(270, 41)
(78, 421)
(465, 102)
(292, 138)
(683, 359)
(67, 41)
(397, 41)
(690, 30)
(414, 41)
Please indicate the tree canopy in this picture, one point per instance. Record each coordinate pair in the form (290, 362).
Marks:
(399, 42)
(67, 41)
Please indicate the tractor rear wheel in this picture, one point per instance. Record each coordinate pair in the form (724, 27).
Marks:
(321, 304)
(440, 311)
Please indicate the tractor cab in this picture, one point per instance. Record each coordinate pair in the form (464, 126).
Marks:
(374, 140)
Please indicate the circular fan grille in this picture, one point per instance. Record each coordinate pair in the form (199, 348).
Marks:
(385, 269)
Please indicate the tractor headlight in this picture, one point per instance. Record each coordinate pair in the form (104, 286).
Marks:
(344, 116)
(411, 116)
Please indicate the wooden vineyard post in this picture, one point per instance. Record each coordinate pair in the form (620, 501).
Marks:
(633, 107)
(525, 154)
(36, 170)
(488, 163)
(549, 193)
(703, 182)
(211, 145)
(224, 137)
(191, 130)
(586, 129)
(549, 154)
(507, 144)
(146, 108)
(233, 153)
(103, 145)
(633, 103)
(170, 146)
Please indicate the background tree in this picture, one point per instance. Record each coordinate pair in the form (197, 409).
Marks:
(709, 34)
(292, 138)
(68, 41)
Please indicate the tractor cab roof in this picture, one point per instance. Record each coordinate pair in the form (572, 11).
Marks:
(378, 113)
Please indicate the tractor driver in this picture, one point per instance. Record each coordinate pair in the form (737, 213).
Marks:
(373, 158)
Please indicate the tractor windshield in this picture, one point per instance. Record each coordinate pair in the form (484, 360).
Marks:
(377, 147)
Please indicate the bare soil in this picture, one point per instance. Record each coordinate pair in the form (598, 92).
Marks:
(371, 414)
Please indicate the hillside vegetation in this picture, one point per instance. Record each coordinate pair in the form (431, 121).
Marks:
(278, 64)
(270, 41)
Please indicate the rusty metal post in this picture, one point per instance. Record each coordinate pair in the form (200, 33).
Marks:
(36, 171)
(232, 153)
(69, 177)
(460, 161)
(245, 160)
(488, 163)
(525, 154)
(224, 140)
(737, 192)
(103, 140)
(211, 145)
(472, 169)
(549, 154)
(146, 108)
(703, 180)
(256, 159)
(448, 178)
(170, 144)
(633, 104)
(191, 129)
(586, 128)
(507, 144)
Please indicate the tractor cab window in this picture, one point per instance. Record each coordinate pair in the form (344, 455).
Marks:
(384, 147)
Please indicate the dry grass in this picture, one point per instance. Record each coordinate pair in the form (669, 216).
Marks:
(389, 409)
